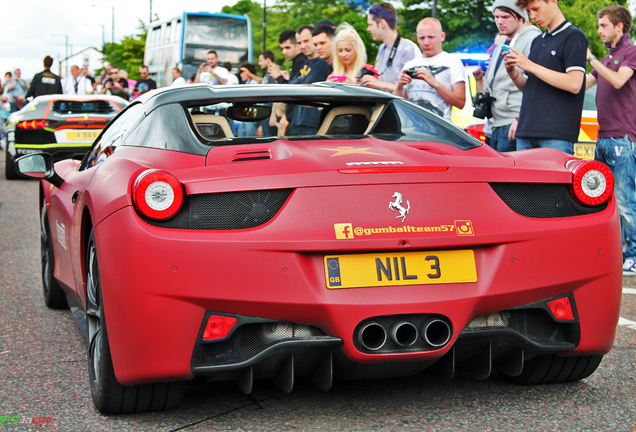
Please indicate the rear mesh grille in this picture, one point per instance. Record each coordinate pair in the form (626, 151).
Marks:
(83, 107)
(227, 211)
(537, 326)
(252, 339)
(543, 200)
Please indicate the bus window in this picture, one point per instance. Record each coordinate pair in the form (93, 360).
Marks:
(186, 41)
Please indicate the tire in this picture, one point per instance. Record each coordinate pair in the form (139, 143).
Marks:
(551, 369)
(109, 396)
(9, 171)
(54, 296)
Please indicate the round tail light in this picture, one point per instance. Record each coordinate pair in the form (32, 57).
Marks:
(593, 183)
(157, 194)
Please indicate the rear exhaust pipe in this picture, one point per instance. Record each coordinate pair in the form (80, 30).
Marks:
(372, 336)
(435, 332)
(403, 333)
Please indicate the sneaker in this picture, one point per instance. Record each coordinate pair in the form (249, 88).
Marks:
(629, 267)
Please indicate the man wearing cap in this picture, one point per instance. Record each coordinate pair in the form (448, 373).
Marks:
(512, 22)
(553, 82)
(394, 52)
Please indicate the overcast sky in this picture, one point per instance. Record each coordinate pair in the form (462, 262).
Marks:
(33, 29)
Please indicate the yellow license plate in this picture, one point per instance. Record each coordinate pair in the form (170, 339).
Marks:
(82, 135)
(584, 150)
(394, 269)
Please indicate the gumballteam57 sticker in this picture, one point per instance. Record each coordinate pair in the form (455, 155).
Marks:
(346, 231)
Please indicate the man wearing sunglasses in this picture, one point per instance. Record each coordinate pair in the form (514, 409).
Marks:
(115, 85)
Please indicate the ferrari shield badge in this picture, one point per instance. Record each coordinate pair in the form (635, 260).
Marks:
(397, 205)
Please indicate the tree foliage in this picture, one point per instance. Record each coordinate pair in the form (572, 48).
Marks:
(292, 14)
(469, 25)
(583, 15)
(129, 52)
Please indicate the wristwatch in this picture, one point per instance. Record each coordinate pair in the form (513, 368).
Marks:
(590, 58)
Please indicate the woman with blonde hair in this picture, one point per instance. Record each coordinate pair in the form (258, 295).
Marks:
(351, 55)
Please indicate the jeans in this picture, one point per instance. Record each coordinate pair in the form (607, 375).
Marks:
(247, 129)
(528, 143)
(300, 130)
(499, 140)
(619, 154)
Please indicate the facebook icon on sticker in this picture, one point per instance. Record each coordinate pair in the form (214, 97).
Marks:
(333, 272)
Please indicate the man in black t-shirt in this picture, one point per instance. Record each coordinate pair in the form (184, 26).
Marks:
(45, 82)
(145, 84)
(291, 51)
(116, 85)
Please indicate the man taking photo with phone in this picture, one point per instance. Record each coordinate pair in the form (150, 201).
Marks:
(512, 23)
(552, 82)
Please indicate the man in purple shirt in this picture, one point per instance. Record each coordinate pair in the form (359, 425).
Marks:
(616, 105)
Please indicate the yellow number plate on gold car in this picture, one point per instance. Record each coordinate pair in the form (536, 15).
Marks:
(82, 135)
(392, 269)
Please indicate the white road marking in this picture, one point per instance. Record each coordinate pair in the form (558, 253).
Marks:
(627, 323)
(629, 290)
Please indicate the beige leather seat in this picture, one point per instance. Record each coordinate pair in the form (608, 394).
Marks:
(346, 120)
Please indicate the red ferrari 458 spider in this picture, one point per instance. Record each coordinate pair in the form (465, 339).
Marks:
(372, 239)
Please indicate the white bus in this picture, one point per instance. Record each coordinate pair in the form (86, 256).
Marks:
(184, 42)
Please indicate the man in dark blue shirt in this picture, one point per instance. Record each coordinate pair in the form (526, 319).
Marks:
(305, 120)
(553, 82)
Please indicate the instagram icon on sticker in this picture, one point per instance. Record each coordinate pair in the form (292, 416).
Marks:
(464, 228)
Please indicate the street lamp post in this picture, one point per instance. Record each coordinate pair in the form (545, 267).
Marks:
(65, 53)
(264, 21)
(112, 44)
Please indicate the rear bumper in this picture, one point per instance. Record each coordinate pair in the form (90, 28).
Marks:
(159, 284)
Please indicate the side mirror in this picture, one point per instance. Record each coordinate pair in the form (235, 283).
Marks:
(38, 166)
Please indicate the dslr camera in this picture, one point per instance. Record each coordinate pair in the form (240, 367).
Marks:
(483, 105)
(364, 71)
(411, 72)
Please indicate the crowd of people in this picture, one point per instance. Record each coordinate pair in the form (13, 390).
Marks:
(534, 83)
(16, 91)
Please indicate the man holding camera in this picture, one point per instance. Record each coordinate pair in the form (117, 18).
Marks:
(394, 51)
(552, 82)
(504, 103)
(435, 81)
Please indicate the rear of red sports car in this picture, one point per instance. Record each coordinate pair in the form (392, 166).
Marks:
(267, 272)
(402, 246)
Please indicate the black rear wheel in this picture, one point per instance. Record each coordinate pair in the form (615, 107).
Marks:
(9, 171)
(552, 369)
(109, 396)
(54, 296)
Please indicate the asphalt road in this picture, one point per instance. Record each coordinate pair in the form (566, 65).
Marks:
(43, 374)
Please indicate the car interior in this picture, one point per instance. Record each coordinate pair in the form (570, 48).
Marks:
(338, 120)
